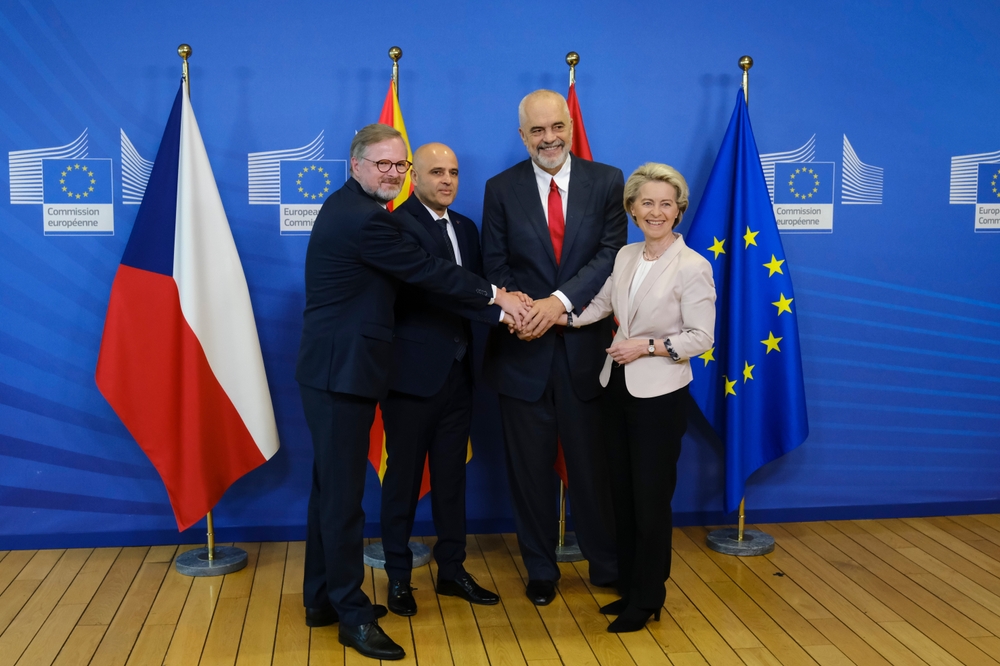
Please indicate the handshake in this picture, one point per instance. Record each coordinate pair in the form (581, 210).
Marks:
(529, 318)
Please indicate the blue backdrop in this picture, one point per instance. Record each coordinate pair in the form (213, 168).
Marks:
(899, 307)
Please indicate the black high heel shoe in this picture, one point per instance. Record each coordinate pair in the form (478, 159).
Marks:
(615, 607)
(632, 619)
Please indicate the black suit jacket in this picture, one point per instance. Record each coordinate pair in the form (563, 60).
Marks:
(356, 258)
(429, 328)
(518, 255)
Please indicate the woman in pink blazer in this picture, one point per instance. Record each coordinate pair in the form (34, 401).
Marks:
(663, 295)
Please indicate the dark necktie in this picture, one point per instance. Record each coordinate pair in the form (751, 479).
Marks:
(557, 224)
(462, 342)
(443, 223)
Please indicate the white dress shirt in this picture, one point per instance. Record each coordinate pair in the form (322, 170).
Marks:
(543, 180)
(451, 231)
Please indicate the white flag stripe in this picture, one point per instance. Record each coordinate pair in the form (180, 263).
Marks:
(135, 172)
(25, 168)
(264, 169)
(964, 174)
(213, 288)
(860, 183)
(805, 153)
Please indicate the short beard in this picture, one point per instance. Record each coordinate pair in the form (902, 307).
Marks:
(553, 163)
(385, 192)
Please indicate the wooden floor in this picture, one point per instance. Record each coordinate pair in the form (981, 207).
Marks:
(911, 591)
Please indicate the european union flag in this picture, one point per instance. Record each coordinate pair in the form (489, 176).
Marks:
(803, 182)
(77, 180)
(989, 184)
(310, 181)
(749, 386)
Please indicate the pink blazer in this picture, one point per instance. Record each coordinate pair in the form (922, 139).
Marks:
(676, 300)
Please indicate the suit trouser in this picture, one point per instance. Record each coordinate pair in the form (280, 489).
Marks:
(415, 428)
(644, 442)
(531, 432)
(334, 566)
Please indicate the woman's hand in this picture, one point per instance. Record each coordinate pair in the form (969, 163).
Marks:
(626, 351)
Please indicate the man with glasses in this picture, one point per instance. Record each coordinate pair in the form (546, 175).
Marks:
(355, 262)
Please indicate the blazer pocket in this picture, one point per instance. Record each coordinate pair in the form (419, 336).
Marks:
(376, 331)
(411, 335)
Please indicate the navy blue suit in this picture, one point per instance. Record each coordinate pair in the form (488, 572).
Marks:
(428, 412)
(549, 387)
(356, 259)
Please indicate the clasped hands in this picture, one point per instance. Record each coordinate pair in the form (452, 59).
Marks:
(529, 318)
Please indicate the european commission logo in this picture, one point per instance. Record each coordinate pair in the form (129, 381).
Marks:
(974, 180)
(74, 190)
(803, 200)
(298, 180)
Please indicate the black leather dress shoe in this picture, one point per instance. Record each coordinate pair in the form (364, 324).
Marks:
(324, 617)
(400, 599)
(371, 641)
(541, 592)
(465, 587)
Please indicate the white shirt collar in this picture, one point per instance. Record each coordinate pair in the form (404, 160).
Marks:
(562, 176)
(434, 215)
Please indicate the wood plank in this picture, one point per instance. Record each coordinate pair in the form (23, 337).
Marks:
(532, 637)
(928, 650)
(11, 566)
(324, 647)
(164, 553)
(127, 622)
(80, 646)
(151, 645)
(502, 645)
(396, 627)
(580, 632)
(459, 619)
(951, 527)
(113, 588)
(699, 630)
(430, 638)
(188, 637)
(172, 594)
(45, 645)
(759, 657)
(87, 582)
(22, 629)
(957, 554)
(475, 564)
(729, 626)
(39, 566)
(688, 659)
(767, 599)
(903, 595)
(13, 599)
(260, 625)
(828, 655)
(291, 640)
(981, 529)
(223, 641)
(792, 558)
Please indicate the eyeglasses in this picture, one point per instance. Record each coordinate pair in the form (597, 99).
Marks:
(385, 165)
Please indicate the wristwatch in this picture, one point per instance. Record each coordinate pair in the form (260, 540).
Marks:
(652, 347)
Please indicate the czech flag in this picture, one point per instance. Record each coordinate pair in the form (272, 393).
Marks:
(180, 360)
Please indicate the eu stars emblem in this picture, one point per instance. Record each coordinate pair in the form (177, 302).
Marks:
(988, 198)
(77, 197)
(305, 185)
(803, 196)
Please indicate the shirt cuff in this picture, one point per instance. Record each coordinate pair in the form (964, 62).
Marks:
(494, 294)
(502, 315)
(565, 301)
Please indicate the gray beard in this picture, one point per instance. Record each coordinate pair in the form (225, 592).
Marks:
(384, 193)
(553, 163)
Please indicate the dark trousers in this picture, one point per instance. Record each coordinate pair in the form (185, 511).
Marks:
(644, 442)
(334, 566)
(531, 430)
(417, 428)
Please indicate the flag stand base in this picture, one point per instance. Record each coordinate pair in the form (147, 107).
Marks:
(726, 541)
(375, 555)
(196, 563)
(570, 550)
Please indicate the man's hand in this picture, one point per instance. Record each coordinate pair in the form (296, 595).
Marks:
(544, 313)
(513, 306)
(626, 351)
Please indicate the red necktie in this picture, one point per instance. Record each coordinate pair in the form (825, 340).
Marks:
(557, 224)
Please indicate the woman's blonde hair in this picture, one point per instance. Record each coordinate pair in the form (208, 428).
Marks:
(653, 171)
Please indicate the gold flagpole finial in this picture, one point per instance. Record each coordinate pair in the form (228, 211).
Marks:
(184, 51)
(746, 62)
(395, 53)
(572, 59)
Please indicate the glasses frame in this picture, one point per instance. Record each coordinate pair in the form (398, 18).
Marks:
(389, 164)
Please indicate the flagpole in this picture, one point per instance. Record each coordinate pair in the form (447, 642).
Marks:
(741, 542)
(395, 53)
(567, 550)
(208, 561)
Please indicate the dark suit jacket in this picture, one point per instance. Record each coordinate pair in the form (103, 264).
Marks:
(430, 328)
(356, 258)
(518, 255)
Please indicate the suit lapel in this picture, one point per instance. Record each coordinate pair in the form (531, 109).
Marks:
(576, 208)
(526, 190)
(654, 273)
(621, 290)
(430, 225)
